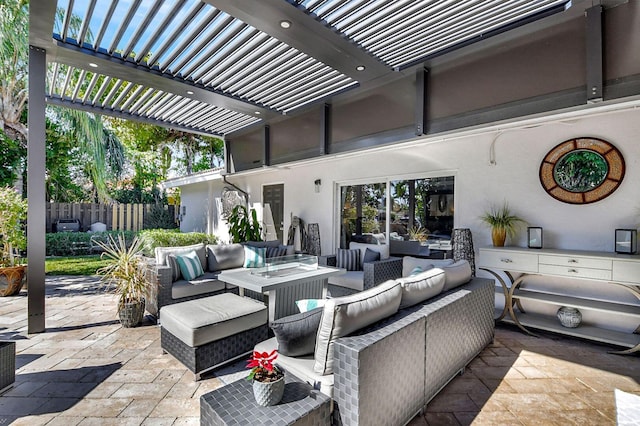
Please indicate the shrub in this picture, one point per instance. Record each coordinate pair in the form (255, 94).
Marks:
(159, 218)
(152, 238)
(79, 243)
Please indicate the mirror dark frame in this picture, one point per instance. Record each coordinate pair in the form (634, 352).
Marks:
(608, 152)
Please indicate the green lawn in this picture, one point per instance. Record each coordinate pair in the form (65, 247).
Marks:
(73, 265)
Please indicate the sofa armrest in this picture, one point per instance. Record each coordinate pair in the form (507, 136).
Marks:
(375, 382)
(329, 260)
(382, 270)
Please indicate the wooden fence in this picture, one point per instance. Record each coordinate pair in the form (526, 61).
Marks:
(121, 217)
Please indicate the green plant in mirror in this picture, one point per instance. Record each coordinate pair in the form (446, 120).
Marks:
(581, 170)
(244, 226)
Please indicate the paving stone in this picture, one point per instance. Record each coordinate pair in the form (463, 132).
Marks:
(87, 370)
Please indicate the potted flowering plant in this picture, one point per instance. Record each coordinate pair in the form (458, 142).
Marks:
(268, 379)
(13, 213)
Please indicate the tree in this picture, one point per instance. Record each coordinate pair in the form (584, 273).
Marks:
(102, 152)
(14, 48)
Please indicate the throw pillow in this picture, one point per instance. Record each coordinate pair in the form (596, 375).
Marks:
(348, 259)
(371, 256)
(296, 334)
(175, 268)
(254, 256)
(190, 266)
(276, 251)
(306, 305)
(456, 274)
(409, 263)
(416, 271)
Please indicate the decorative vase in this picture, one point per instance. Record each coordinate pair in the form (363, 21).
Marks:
(462, 247)
(268, 393)
(498, 236)
(131, 314)
(11, 279)
(569, 317)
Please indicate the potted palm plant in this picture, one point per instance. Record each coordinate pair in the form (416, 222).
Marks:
(268, 379)
(244, 226)
(126, 274)
(502, 223)
(13, 212)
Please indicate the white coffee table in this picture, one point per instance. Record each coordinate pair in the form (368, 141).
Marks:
(283, 289)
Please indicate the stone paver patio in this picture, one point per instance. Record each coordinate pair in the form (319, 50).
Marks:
(86, 369)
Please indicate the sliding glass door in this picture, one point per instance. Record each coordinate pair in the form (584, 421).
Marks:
(420, 209)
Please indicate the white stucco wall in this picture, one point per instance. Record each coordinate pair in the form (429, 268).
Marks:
(514, 178)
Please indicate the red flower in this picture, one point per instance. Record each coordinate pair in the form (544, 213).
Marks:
(261, 362)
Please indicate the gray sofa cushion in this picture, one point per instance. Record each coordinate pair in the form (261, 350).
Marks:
(206, 283)
(224, 256)
(205, 320)
(383, 249)
(351, 279)
(409, 263)
(344, 315)
(296, 334)
(163, 252)
(456, 274)
(260, 244)
(422, 286)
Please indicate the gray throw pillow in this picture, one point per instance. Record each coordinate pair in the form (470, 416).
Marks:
(296, 334)
(371, 256)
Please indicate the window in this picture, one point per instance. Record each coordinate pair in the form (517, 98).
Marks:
(420, 209)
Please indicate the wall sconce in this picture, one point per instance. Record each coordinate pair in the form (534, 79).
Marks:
(626, 241)
(184, 210)
(534, 237)
(318, 183)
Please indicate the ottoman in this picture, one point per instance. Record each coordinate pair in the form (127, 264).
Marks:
(206, 333)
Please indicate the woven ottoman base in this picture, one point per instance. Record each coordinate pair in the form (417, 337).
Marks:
(214, 354)
(7, 365)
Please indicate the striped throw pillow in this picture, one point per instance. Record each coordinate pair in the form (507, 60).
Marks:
(348, 259)
(190, 266)
(276, 251)
(175, 268)
(254, 256)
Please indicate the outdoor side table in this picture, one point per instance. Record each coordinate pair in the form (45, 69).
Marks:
(234, 404)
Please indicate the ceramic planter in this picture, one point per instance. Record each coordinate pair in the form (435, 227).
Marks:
(131, 314)
(268, 393)
(11, 279)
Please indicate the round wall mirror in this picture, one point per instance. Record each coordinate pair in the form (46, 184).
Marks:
(582, 170)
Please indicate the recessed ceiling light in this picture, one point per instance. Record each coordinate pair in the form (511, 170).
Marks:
(93, 65)
(285, 24)
(189, 92)
(360, 68)
(258, 113)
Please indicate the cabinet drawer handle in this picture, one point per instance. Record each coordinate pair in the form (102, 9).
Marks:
(506, 260)
(572, 261)
(573, 271)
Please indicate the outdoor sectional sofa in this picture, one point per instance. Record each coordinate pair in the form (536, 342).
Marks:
(384, 353)
(214, 258)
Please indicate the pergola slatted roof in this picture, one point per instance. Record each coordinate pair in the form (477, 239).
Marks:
(404, 31)
(218, 66)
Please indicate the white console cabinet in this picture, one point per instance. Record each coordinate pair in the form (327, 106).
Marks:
(610, 268)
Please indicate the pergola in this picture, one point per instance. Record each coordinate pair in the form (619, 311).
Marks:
(219, 67)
